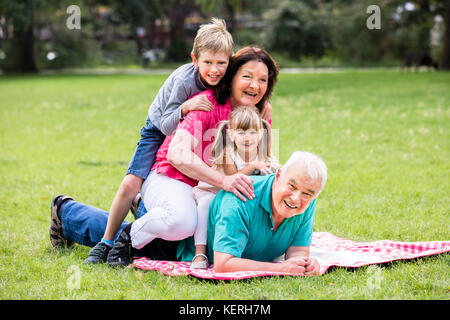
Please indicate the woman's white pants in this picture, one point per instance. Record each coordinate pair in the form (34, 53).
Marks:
(172, 211)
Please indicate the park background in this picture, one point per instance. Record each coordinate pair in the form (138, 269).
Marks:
(72, 102)
(39, 34)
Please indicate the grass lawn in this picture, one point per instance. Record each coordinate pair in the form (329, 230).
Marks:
(383, 134)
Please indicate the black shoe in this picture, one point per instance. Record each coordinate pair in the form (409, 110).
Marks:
(56, 235)
(135, 205)
(122, 252)
(98, 254)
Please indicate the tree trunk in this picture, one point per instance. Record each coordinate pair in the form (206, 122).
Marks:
(179, 47)
(446, 54)
(21, 57)
(137, 40)
(25, 61)
(232, 17)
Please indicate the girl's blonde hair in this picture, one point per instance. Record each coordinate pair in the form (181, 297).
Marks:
(213, 36)
(241, 118)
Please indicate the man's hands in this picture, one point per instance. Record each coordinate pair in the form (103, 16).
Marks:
(239, 184)
(301, 266)
(199, 102)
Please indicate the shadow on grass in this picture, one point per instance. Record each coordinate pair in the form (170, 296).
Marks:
(100, 163)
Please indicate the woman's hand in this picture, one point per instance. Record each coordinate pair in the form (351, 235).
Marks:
(239, 184)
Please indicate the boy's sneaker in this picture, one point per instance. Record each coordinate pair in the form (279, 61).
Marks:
(121, 254)
(56, 235)
(98, 253)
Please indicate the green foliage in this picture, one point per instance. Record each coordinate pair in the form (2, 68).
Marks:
(179, 50)
(296, 29)
(215, 6)
(338, 28)
(20, 12)
(322, 33)
(245, 37)
(72, 50)
(351, 38)
(383, 135)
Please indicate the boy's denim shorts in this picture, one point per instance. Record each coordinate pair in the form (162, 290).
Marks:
(145, 153)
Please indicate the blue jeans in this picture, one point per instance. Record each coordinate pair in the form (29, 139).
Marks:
(85, 224)
(145, 152)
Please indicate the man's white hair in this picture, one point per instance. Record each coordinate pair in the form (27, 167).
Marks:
(314, 166)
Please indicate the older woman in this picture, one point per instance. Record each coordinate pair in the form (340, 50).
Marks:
(181, 162)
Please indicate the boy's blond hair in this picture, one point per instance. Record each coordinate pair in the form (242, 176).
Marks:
(213, 36)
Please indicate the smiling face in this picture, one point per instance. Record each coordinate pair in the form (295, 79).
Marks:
(211, 66)
(249, 84)
(246, 140)
(292, 192)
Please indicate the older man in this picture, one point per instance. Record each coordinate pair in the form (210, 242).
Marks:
(248, 236)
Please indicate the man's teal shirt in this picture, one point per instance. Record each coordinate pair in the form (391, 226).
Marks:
(246, 230)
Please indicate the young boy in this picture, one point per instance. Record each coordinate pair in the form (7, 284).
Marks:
(212, 49)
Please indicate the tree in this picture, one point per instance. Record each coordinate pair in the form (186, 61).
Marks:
(144, 13)
(225, 9)
(138, 13)
(446, 52)
(352, 41)
(25, 17)
(20, 14)
(417, 23)
(297, 30)
(179, 47)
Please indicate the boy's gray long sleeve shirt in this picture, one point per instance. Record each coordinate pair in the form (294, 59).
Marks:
(165, 111)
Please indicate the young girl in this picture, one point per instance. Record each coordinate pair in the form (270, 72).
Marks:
(242, 144)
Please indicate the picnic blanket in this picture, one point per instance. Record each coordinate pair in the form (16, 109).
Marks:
(327, 248)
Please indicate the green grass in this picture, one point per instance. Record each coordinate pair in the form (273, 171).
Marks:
(383, 134)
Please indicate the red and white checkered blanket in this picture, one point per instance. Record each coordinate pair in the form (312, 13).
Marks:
(328, 249)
